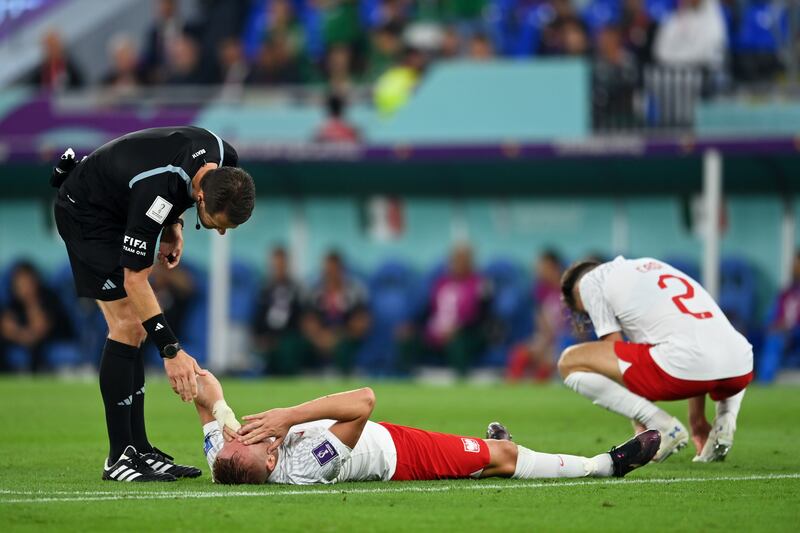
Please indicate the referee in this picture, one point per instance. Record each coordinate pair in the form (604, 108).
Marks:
(112, 207)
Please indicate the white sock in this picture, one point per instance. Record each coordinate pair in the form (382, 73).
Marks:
(730, 405)
(535, 465)
(608, 393)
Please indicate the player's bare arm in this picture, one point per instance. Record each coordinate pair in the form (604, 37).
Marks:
(351, 410)
(698, 423)
(211, 405)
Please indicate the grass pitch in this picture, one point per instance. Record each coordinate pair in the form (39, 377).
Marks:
(52, 445)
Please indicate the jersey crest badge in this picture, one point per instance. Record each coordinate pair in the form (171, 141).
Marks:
(324, 453)
(159, 210)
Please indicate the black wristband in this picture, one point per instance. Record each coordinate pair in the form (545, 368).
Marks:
(159, 331)
(179, 221)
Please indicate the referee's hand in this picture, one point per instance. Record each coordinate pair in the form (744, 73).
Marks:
(182, 372)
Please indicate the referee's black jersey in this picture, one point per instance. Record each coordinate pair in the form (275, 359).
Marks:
(130, 188)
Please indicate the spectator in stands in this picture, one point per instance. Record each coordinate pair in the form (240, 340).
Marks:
(456, 321)
(183, 64)
(451, 44)
(275, 324)
(395, 87)
(56, 71)
(174, 290)
(386, 47)
(783, 332)
(638, 31)
(339, 69)
(34, 316)
(615, 78)
(233, 66)
(336, 129)
(276, 64)
(481, 48)
(167, 28)
(336, 318)
(566, 35)
(539, 353)
(693, 36)
(393, 12)
(124, 77)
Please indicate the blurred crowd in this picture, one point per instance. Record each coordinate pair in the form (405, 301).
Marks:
(388, 44)
(392, 322)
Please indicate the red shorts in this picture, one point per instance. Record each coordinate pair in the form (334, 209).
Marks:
(647, 379)
(429, 455)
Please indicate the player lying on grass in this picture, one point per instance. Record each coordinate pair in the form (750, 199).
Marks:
(330, 440)
(681, 347)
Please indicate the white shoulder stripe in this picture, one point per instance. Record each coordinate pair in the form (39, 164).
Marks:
(221, 150)
(160, 170)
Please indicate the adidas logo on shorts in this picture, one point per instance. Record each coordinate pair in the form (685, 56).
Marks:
(108, 285)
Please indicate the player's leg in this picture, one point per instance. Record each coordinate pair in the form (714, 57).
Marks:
(510, 460)
(592, 370)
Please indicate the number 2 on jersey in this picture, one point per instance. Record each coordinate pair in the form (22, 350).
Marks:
(688, 295)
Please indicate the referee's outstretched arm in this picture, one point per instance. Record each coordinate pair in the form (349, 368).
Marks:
(181, 369)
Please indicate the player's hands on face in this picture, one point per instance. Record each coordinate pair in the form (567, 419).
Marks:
(272, 423)
(182, 371)
(171, 247)
(229, 434)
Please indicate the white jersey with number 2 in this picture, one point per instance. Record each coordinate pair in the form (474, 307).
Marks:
(651, 302)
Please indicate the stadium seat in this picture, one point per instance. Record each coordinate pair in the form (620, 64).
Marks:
(515, 26)
(244, 285)
(685, 265)
(600, 13)
(511, 309)
(392, 288)
(763, 27)
(659, 9)
(737, 293)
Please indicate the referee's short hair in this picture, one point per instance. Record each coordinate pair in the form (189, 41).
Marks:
(230, 190)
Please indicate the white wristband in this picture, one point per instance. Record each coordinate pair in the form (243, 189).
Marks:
(225, 416)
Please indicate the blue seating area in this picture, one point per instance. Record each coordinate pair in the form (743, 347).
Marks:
(398, 296)
(515, 25)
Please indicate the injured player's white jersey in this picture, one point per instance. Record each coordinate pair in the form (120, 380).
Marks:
(310, 454)
(651, 302)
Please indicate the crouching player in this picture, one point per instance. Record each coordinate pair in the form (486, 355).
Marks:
(680, 347)
(330, 440)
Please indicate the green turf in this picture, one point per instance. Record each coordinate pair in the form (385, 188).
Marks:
(52, 444)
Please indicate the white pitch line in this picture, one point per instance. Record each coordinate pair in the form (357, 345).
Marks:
(94, 496)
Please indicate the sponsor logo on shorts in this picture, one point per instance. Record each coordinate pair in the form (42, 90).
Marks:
(471, 445)
(198, 153)
(324, 453)
(159, 210)
(134, 246)
(108, 285)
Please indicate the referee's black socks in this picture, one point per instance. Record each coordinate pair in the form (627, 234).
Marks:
(138, 431)
(116, 385)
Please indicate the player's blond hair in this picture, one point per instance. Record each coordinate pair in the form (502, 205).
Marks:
(235, 470)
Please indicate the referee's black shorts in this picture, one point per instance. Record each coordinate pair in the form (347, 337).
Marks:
(94, 254)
